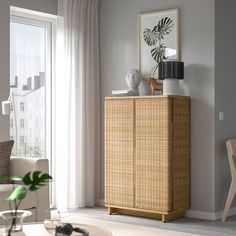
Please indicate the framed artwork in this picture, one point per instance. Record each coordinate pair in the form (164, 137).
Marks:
(158, 39)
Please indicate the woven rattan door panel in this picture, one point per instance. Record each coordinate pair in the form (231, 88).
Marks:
(119, 150)
(153, 183)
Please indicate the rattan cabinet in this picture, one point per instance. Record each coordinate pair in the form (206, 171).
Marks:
(147, 155)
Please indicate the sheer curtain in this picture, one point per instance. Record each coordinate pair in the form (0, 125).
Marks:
(76, 98)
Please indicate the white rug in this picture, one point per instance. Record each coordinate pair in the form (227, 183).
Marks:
(123, 229)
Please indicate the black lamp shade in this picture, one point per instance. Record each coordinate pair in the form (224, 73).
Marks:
(171, 69)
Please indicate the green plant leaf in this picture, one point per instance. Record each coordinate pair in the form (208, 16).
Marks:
(16, 178)
(2, 178)
(18, 193)
(36, 179)
(150, 36)
(159, 53)
(164, 27)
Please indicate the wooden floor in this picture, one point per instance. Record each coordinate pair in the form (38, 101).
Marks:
(188, 225)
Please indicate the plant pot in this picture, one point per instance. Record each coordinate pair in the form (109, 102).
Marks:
(13, 222)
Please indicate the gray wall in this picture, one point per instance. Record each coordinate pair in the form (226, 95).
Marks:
(118, 54)
(4, 65)
(47, 6)
(225, 90)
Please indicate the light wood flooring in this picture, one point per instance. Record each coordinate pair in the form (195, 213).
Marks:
(187, 225)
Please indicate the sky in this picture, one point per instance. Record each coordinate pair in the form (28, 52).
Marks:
(27, 50)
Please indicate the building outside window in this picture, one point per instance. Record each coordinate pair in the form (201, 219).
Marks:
(11, 123)
(22, 107)
(22, 140)
(22, 123)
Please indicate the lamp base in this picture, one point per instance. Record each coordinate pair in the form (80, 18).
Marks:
(170, 86)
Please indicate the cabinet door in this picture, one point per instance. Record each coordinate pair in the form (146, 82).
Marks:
(119, 152)
(153, 154)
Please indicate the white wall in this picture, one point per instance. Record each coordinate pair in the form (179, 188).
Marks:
(118, 54)
(47, 6)
(4, 65)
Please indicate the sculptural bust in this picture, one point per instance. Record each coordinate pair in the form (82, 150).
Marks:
(133, 78)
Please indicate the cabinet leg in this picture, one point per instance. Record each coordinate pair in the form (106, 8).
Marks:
(163, 218)
(111, 210)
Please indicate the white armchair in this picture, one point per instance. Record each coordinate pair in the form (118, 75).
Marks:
(37, 202)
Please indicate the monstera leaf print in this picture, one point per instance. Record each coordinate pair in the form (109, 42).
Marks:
(150, 36)
(153, 38)
(159, 53)
(164, 27)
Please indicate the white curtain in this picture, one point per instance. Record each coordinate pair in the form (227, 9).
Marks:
(76, 99)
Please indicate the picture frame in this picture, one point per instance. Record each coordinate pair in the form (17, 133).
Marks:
(148, 66)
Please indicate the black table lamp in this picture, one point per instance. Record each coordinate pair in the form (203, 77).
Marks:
(171, 72)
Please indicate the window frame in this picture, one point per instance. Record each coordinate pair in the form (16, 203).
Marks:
(48, 21)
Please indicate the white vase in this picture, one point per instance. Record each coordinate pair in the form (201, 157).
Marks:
(170, 86)
(144, 89)
(14, 223)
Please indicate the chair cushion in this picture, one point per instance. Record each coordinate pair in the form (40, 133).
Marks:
(5, 153)
(29, 202)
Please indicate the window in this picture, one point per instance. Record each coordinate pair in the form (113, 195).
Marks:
(30, 80)
(22, 140)
(22, 123)
(22, 106)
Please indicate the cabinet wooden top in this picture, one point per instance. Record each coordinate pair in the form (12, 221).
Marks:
(148, 97)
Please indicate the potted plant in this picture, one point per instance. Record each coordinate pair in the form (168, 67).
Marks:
(154, 39)
(32, 181)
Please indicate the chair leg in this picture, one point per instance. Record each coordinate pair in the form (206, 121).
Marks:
(229, 200)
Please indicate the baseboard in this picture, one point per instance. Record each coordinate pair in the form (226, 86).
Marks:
(208, 215)
(201, 215)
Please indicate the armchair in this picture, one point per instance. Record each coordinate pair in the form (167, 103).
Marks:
(37, 202)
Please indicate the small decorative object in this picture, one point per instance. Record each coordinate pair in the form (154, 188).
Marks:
(155, 86)
(51, 219)
(124, 93)
(32, 181)
(144, 88)
(67, 229)
(158, 39)
(171, 72)
(133, 78)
